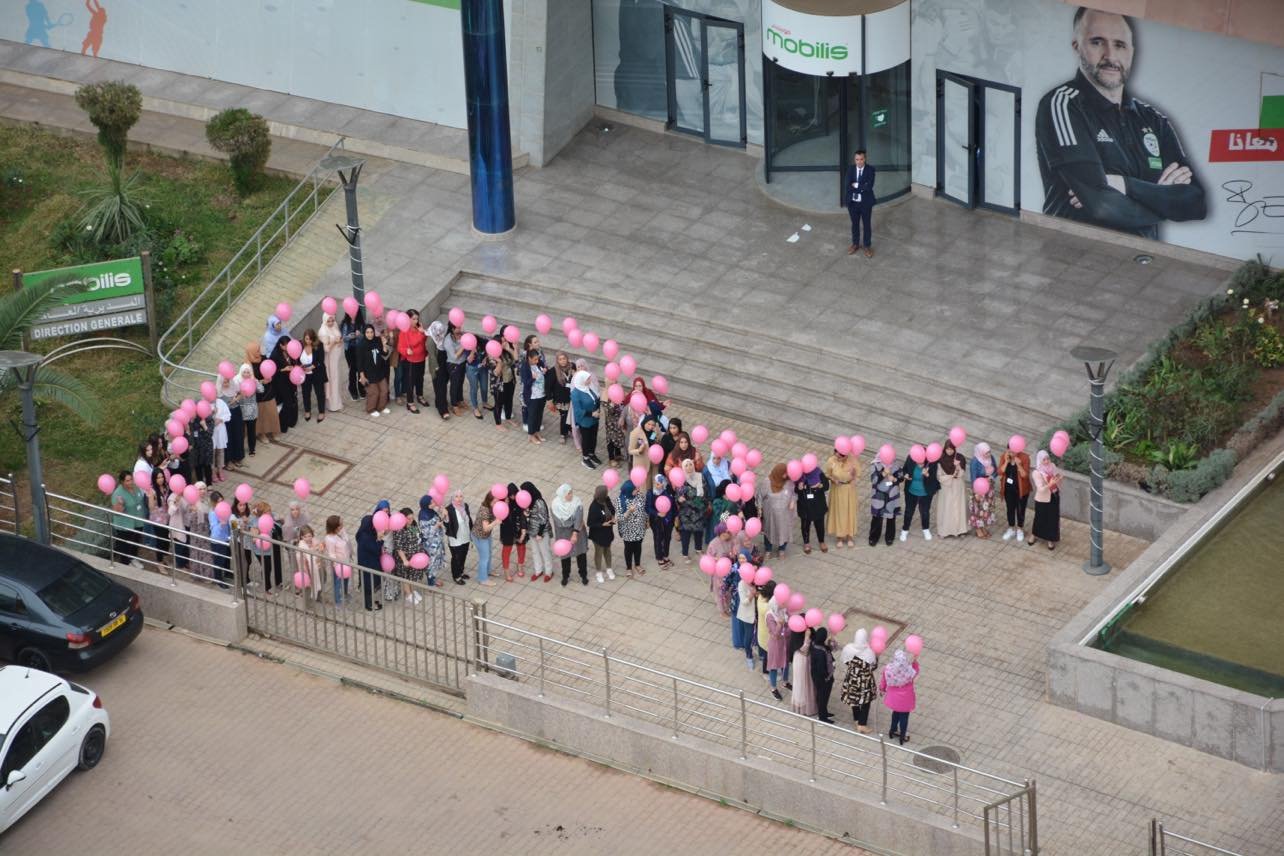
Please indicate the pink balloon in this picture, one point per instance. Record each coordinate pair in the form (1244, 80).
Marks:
(512, 334)
(878, 645)
(249, 387)
(628, 365)
(753, 526)
(265, 522)
(500, 510)
(879, 632)
(524, 498)
(733, 523)
(1058, 445)
(610, 478)
(699, 434)
(918, 454)
(763, 576)
(781, 594)
(499, 490)
(301, 580)
(794, 469)
(612, 371)
(719, 448)
(836, 623)
(434, 495)
(615, 394)
(797, 623)
(419, 561)
(189, 407)
(179, 445)
(456, 316)
(203, 409)
(387, 563)
(403, 322)
(797, 602)
(284, 312)
(914, 644)
(393, 318)
(243, 492)
(351, 307)
(494, 349)
(397, 521)
(722, 567)
(380, 521)
(173, 428)
(177, 483)
(543, 324)
(298, 376)
(562, 547)
(708, 564)
(660, 384)
(343, 572)
(610, 349)
(753, 458)
(223, 511)
(329, 305)
(208, 392)
(489, 325)
(374, 302)
(106, 483)
(294, 348)
(191, 494)
(934, 451)
(677, 477)
(749, 574)
(569, 324)
(302, 488)
(267, 368)
(1017, 444)
(1062, 433)
(739, 450)
(858, 444)
(655, 453)
(662, 505)
(637, 401)
(441, 483)
(886, 454)
(734, 494)
(842, 445)
(469, 342)
(728, 436)
(815, 617)
(591, 341)
(575, 338)
(739, 466)
(637, 475)
(958, 436)
(981, 486)
(226, 370)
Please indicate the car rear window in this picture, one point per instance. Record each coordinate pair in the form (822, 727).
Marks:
(79, 586)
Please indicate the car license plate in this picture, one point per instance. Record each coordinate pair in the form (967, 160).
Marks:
(113, 624)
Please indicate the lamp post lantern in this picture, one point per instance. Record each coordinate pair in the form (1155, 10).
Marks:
(1097, 362)
(352, 232)
(24, 366)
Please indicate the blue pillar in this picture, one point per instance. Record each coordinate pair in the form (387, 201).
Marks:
(490, 151)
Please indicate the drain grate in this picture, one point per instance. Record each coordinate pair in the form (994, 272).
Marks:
(927, 760)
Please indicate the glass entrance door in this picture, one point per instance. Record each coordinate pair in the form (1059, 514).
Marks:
(955, 139)
(705, 70)
(978, 142)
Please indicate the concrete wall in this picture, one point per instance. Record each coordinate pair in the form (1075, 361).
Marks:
(1128, 510)
(196, 608)
(551, 74)
(714, 770)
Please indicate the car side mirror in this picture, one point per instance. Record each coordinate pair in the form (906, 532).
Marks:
(14, 778)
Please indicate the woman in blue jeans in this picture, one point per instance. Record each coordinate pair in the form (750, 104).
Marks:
(478, 379)
(483, 526)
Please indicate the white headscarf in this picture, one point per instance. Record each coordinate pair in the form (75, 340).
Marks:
(859, 648)
(580, 381)
(562, 508)
(330, 336)
(437, 332)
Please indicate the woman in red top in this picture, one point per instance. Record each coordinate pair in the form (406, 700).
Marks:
(410, 345)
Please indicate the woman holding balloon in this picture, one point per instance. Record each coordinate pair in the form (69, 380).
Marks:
(538, 531)
(660, 511)
(283, 388)
(1047, 501)
(570, 532)
(897, 687)
(1014, 465)
(268, 421)
(372, 368)
(631, 520)
(339, 551)
(822, 672)
(843, 469)
(951, 472)
(332, 343)
(811, 487)
(777, 511)
(859, 686)
(884, 497)
(921, 485)
(406, 544)
(773, 628)
(802, 699)
(983, 472)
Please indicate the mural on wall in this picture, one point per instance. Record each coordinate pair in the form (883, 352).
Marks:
(1122, 124)
(39, 25)
(97, 23)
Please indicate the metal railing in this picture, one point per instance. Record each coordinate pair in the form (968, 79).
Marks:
(425, 640)
(1165, 843)
(208, 307)
(690, 708)
(1010, 824)
(10, 517)
(177, 553)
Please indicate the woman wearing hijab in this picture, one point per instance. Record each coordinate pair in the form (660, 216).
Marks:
(405, 543)
(441, 374)
(822, 672)
(859, 689)
(654, 405)
(897, 687)
(585, 411)
(1014, 467)
(692, 509)
(234, 422)
(842, 471)
(432, 538)
(812, 507)
(459, 527)
(614, 427)
(539, 534)
(921, 484)
(283, 389)
(632, 522)
(773, 637)
(269, 422)
(373, 372)
(661, 524)
(295, 521)
(1047, 501)
(884, 503)
(313, 360)
(777, 508)
(802, 700)
(951, 514)
(601, 529)
(332, 342)
(512, 533)
(350, 327)
(369, 556)
(568, 524)
(981, 505)
(271, 336)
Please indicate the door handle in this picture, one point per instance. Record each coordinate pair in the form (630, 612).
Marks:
(706, 84)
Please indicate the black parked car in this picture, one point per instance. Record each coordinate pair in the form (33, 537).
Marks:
(57, 613)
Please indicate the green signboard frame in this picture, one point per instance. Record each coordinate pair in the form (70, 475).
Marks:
(99, 280)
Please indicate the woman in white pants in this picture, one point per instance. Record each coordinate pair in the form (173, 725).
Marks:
(539, 535)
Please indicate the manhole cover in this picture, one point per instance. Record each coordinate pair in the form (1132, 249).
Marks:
(927, 759)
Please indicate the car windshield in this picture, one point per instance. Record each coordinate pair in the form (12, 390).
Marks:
(79, 586)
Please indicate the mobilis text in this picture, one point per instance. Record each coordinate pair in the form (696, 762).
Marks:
(816, 50)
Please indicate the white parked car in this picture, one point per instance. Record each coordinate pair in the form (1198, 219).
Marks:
(48, 727)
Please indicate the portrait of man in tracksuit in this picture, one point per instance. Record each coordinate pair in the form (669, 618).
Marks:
(1106, 157)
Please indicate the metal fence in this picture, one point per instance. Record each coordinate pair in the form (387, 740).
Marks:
(693, 709)
(10, 518)
(204, 311)
(1165, 843)
(424, 637)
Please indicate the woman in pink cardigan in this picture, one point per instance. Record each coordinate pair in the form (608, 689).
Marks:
(897, 686)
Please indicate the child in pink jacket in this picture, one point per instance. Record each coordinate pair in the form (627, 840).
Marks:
(897, 686)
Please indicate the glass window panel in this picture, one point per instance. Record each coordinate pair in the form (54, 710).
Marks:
(724, 82)
(998, 149)
(805, 119)
(886, 112)
(688, 65)
(628, 56)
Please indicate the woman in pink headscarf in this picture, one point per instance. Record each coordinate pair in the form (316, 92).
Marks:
(1047, 501)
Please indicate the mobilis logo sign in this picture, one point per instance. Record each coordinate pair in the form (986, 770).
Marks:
(781, 38)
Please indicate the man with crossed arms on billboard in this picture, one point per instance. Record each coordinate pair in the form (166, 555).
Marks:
(1106, 157)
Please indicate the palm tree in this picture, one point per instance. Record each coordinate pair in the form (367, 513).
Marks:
(19, 311)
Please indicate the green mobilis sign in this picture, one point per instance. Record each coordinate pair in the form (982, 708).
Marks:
(804, 48)
(95, 281)
(100, 296)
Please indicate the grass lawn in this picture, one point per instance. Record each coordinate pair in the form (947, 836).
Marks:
(41, 177)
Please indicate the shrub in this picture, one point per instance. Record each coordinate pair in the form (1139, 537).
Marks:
(114, 108)
(1209, 473)
(243, 137)
(114, 214)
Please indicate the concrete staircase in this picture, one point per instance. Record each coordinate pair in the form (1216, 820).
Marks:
(758, 377)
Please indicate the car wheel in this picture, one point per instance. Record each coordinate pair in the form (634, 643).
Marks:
(92, 748)
(34, 658)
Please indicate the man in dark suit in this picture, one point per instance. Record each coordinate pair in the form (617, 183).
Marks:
(858, 195)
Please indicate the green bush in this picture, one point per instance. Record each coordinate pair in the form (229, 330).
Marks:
(114, 108)
(243, 137)
(1209, 473)
(114, 214)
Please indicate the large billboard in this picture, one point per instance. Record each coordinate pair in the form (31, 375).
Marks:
(1126, 124)
(100, 296)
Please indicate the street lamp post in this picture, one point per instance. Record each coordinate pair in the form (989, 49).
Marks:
(352, 232)
(24, 366)
(1097, 362)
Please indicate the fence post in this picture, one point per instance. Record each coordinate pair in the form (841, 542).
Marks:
(17, 516)
(813, 750)
(1034, 821)
(541, 667)
(882, 748)
(481, 635)
(239, 571)
(606, 667)
(955, 770)
(1154, 836)
(173, 561)
(744, 729)
(675, 708)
